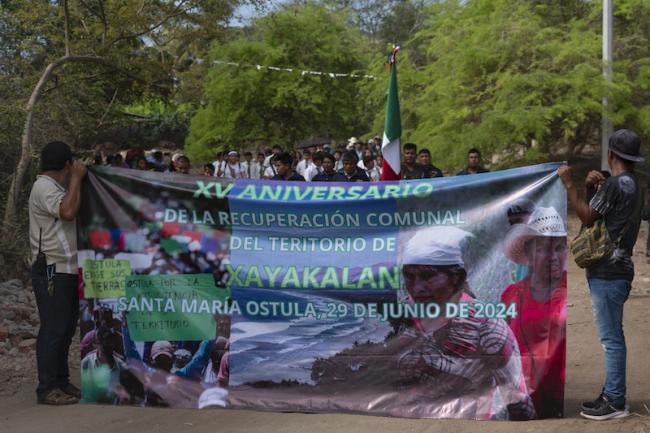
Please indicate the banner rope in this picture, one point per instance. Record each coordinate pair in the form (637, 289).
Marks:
(291, 70)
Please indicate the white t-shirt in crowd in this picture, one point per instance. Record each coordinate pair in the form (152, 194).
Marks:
(302, 167)
(269, 171)
(374, 175)
(253, 169)
(230, 171)
(312, 171)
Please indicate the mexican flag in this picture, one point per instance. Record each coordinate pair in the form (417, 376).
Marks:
(390, 147)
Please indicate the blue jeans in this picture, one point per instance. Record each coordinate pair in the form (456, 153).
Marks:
(607, 299)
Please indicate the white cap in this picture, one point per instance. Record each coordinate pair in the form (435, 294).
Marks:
(436, 246)
(213, 397)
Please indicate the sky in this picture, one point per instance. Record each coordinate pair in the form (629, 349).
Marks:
(244, 14)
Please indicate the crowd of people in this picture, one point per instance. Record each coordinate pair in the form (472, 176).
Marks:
(114, 371)
(356, 162)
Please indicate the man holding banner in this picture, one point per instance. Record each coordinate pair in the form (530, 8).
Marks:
(53, 206)
(618, 202)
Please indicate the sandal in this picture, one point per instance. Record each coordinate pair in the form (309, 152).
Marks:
(56, 397)
(72, 390)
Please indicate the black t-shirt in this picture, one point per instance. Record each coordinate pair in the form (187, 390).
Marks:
(358, 176)
(431, 171)
(618, 203)
(332, 177)
(416, 173)
(466, 172)
(294, 177)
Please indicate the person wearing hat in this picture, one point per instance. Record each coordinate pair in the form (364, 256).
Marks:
(540, 299)
(162, 355)
(100, 368)
(464, 358)
(54, 202)
(519, 211)
(616, 200)
(181, 358)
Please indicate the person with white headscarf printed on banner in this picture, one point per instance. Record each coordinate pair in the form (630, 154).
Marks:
(540, 325)
(457, 363)
(231, 168)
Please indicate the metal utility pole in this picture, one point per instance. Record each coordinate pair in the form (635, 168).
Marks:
(606, 124)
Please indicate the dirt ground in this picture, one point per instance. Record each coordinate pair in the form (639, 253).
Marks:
(20, 413)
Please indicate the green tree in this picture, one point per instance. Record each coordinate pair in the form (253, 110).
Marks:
(66, 65)
(247, 105)
(504, 74)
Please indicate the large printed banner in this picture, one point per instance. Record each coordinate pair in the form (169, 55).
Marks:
(433, 298)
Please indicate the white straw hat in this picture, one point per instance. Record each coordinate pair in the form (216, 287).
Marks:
(544, 222)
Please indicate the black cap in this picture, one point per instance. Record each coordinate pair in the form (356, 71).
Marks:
(521, 206)
(55, 155)
(627, 145)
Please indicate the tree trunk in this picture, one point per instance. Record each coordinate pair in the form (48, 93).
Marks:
(26, 141)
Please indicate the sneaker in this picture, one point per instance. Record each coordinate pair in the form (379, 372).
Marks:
(72, 390)
(589, 405)
(606, 410)
(56, 397)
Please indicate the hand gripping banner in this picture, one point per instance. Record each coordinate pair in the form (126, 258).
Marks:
(432, 298)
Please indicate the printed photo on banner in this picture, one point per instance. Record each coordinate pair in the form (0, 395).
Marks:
(150, 335)
(431, 298)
